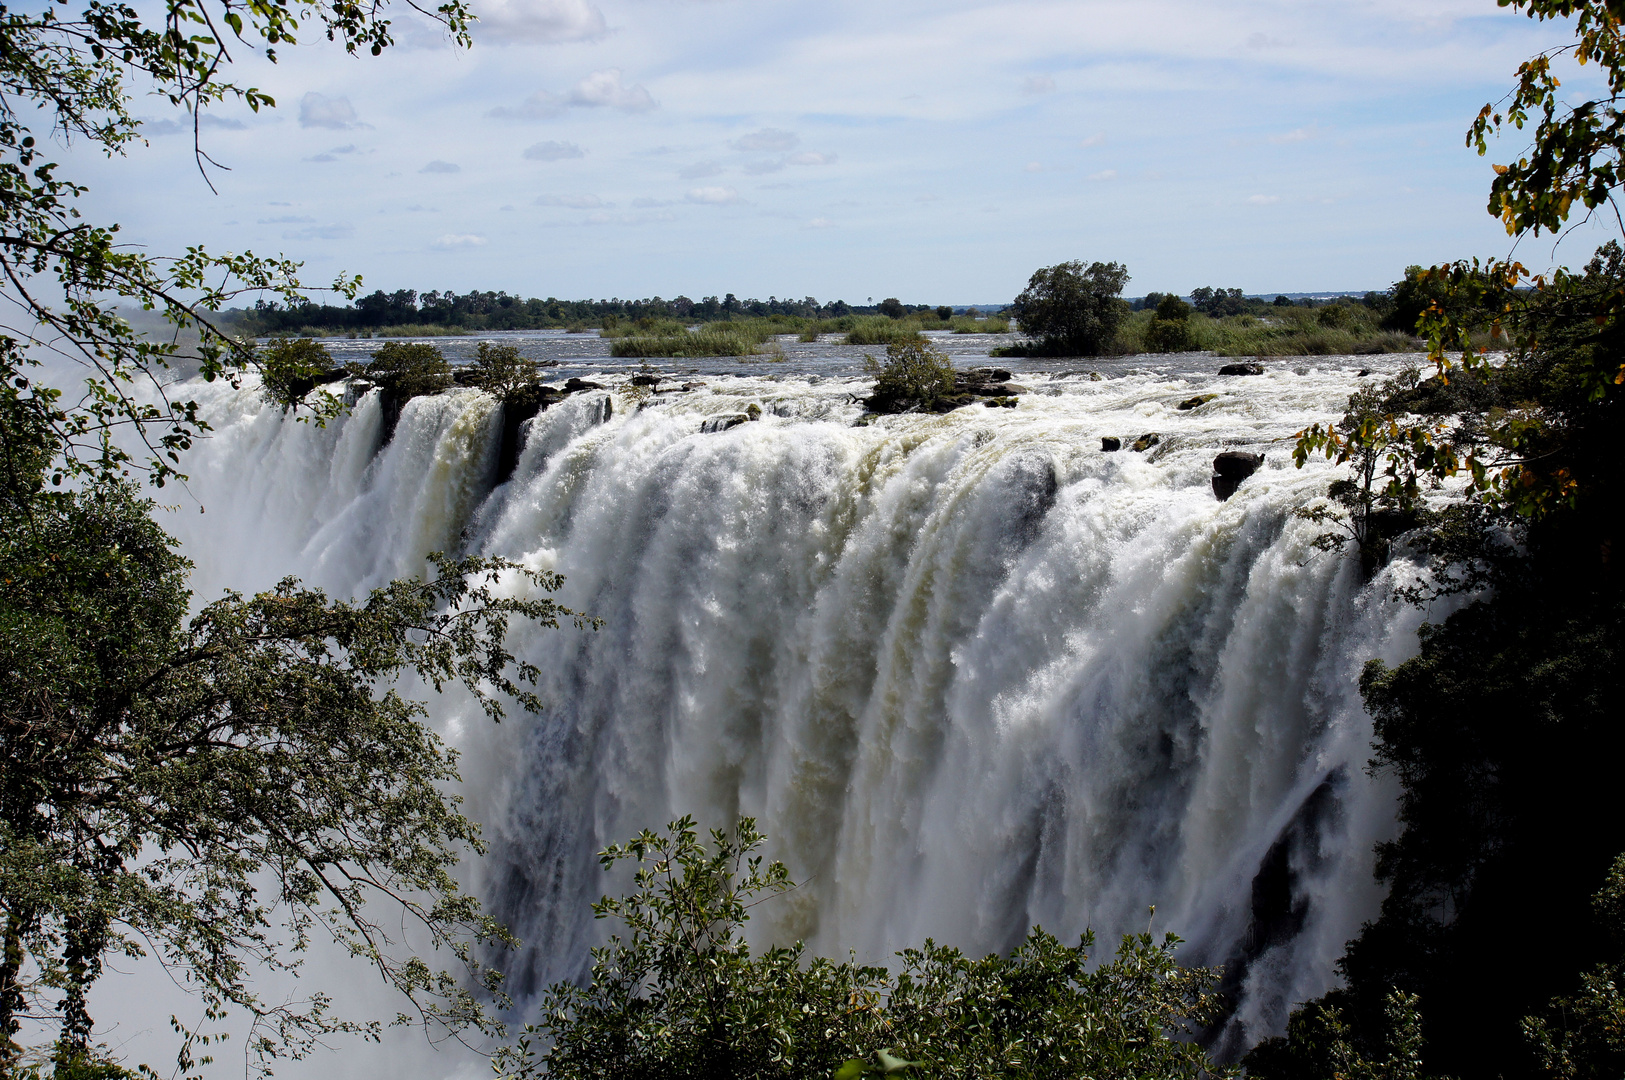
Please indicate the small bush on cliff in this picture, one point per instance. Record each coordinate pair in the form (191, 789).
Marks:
(290, 369)
(500, 371)
(409, 369)
(912, 372)
(680, 995)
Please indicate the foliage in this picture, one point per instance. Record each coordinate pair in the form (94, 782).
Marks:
(742, 338)
(882, 331)
(291, 368)
(216, 791)
(1581, 1036)
(681, 995)
(1170, 328)
(1321, 1044)
(1218, 303)
(406, 370)
(1575, 156)
(1369, 507)
(913, 371)
(71, 75)
(502, 372)
(1071, 309)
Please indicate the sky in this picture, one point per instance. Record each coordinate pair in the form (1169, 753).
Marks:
(938, 152)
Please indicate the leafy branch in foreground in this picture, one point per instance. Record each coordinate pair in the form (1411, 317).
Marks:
(681, 995)
(216, 792)
(58, 272)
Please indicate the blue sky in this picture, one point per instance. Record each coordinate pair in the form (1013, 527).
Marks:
(938, 152)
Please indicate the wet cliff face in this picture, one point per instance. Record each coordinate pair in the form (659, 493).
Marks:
(969, 672)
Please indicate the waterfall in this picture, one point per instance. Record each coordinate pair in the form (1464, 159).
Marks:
(969, 672)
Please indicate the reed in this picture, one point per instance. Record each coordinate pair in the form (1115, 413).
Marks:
(879, 330)
(740, 338)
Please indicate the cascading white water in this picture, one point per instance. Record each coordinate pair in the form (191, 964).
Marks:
(969, 672)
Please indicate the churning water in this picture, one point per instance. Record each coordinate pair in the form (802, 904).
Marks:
(970, 672)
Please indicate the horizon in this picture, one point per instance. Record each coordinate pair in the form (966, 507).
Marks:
(623, 148)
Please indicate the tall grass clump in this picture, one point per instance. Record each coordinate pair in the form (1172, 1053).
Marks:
(737, 338)
(880, 330)
(644, 328)
(970, 324)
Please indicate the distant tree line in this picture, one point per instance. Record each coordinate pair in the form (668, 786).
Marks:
(478, 311)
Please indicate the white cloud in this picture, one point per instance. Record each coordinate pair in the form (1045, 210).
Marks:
(459, 240)
(438, 166)
(713, 196)
(1097, 139)
(553, 151)
(768, 139)
(810, 158)
(700, 170)
(321, 232)
(646, 203)
(286, 219)
(184, 127)
(316, 111)
(1264, 200)
(1038, 84)
(546, 21)
(1104, 174)
(542, 105)
(604, 89)
(820, 223)
(574, 202)
(1302, 134)
(765, 165)
(1034, 166)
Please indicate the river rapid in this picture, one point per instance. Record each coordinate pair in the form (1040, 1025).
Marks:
(969, 672)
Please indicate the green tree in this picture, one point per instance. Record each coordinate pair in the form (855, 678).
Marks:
(220, 790)
(502, 372)
(406, 370)
(1218, 303)
(1071, 309)
(1170, 328)
(1500, 730)
(681, 995)
(71, 75)
(1581, 1036)
(913, 373)
(291, 368)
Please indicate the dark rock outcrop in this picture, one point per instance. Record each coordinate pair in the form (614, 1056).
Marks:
(1231, 468)
(517, 408)
(1242, 369)
(969, 387)
(1196, 402)
(1146, 442)
(1108, 444)
(715, 424)
(573, 385)
(646, 380)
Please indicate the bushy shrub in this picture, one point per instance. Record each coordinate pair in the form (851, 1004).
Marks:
(409, 369)
(502, 372)
(681, 995)
(1170, 328)
(290, 369)
(912, 371)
